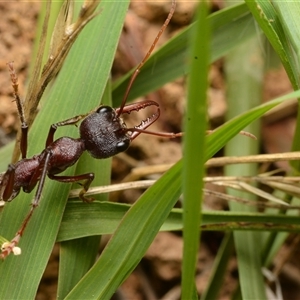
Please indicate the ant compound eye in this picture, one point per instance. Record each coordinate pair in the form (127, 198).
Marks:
(104, 109)
(122, 146)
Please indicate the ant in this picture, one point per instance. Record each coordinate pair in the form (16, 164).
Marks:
(103, 134)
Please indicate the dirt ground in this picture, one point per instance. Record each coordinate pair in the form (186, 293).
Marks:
(158, 275)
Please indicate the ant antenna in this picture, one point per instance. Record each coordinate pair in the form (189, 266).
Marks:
(138, 69)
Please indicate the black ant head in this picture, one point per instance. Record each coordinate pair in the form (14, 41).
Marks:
(104, 134)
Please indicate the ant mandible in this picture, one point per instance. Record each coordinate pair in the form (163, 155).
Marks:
(102, 133)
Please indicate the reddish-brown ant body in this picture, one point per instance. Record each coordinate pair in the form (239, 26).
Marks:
(102, 133)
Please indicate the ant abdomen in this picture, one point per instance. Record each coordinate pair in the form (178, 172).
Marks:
(103, 133)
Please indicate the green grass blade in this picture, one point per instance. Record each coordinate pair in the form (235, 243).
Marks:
(144, 219)
(194, 148)
(244, 85)
(219, 268)
(95, 219)
(278, 20)
(131, 240)
(77, 256)
(231, 128)
(78, 89)
(288, 14)
(170, 61)
(103, 218)
(282, 22)
(267, 18)
(5, 153)
(75, 259)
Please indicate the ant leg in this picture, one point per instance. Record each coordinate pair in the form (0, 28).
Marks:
(138, 69)
(7, 192)
(137, 106)
(8, 247)
(20, 107)
(88, 178)
(53, 127)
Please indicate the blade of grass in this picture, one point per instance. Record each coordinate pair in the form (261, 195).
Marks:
(282, 22)
(217, 144)
(77, 89)
(267, 18)
(169, 62)
(288, 16)
(78, 256)
(215, 141)
(244, 69)
(75, 259)
(194, 149)
(278, 23)
(103, 218)
(144, 219)
(228, 130)
(6, 152)
(219, 268)
(131, 239)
